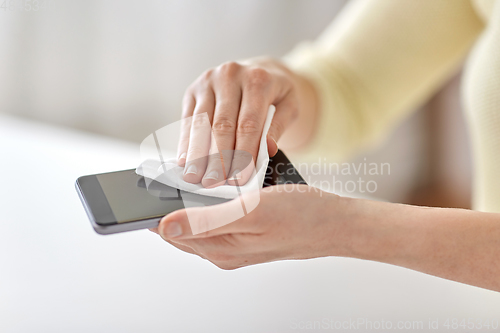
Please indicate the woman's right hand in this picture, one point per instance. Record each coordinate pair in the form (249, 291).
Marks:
(236, 97)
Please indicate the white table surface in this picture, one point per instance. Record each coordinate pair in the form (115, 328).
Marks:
(58, 275)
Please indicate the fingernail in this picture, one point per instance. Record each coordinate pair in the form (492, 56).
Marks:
(183, 155)
(173, 229)
(192, 169)
(214, 174)
(236, 175)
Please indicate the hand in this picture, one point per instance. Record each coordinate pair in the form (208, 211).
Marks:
(300, 222)
(236, 97)
(290, 222)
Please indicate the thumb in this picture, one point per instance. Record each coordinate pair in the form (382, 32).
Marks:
(286, 113)
(209, 221)
(272, 146)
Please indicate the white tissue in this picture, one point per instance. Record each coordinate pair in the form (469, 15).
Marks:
(169, 173)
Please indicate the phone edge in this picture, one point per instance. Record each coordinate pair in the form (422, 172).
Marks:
(114, 228)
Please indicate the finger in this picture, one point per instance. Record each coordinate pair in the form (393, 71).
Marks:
(272, 146)
(187, 113)
(218, 165)
(286, 113)
(199, 138)
(183, 247)
(218, 248)
(202, 222)
(254, 105)
(228, 99)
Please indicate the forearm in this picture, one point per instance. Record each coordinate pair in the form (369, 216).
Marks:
(455, 244)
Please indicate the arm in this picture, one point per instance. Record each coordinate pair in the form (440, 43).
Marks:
(376, 62)
(455, 244)
(300, 222)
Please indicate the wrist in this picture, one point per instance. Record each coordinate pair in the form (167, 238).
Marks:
(301, 131)
(382, 231)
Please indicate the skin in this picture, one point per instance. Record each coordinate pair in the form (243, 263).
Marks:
(236, 97)
(301, 222)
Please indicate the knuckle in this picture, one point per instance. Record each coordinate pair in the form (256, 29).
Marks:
(224, 126)
(229, 69)
(199, 121)
(258, 78)
(249, 125)
(203, 79)
(207, 75)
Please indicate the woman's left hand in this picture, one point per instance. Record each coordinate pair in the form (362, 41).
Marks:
(300, 222)
(290, 222)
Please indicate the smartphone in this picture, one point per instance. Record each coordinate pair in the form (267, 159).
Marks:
(120, 201)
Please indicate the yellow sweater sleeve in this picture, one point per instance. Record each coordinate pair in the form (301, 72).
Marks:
(377, 62)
